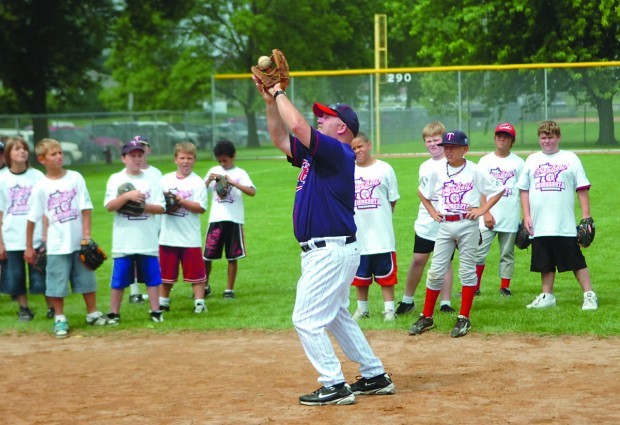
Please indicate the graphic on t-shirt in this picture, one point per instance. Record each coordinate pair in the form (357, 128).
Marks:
(453, 193)
(59, 205)
(303, 173)
(364, 193)
(18, 199)
(546, 177)
(503, 176)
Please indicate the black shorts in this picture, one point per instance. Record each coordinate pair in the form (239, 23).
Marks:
(561, 252)
(224, 234)
(423, 246)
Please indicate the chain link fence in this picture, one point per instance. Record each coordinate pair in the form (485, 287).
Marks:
(393, 107)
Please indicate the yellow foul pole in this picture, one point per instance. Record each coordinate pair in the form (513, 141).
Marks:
(380, 63)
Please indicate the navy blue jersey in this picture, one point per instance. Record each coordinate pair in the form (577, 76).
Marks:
(325, 194)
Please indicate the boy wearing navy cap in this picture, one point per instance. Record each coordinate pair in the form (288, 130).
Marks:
(459, 184)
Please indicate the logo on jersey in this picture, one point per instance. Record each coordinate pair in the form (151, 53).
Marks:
(59, 205)
(364, 193)
(303, 173)
(453, 193)
(18, 199)
(546, 177)
(503, 176)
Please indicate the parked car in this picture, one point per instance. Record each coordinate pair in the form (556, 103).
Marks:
(91, 145)
(160, 134)
(71, 151)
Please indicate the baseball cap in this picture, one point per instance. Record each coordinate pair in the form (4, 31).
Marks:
(132, 145)
(342, 111)
(455, 137)
(506, 127)
(142, 139)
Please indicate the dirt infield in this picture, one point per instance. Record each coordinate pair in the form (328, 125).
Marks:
(252, 377)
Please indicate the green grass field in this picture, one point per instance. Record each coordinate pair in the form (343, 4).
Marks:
(267, 277)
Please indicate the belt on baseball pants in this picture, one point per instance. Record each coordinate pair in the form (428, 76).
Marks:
(322, 244)
(455, 217)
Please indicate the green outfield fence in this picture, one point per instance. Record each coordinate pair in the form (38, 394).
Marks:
(393, 106)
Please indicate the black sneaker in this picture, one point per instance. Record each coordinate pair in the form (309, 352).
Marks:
(404, 308)
(136, 299)
(505, 292)
(164, 307)
(477, 292)
(229, 294)
(50, 313)
(380, 385)
(207, 290)
(113, 319)
(157, 316)
(463, 324)
(422, 325)
(446, 309)
(338, 394)
(25, 314)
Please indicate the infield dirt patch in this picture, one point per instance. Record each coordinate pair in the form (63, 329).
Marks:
(255, 377)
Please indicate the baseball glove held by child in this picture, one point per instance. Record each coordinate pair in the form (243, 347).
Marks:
(585, 232)
(91, 254)
(131, 208)
(172, 202)
(278, 72)
(40, 258)
(522, 241)
(221, 186)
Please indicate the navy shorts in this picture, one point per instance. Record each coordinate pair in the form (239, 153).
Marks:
(561, 252)
(381, 266)
(224, 234)
(13, 276)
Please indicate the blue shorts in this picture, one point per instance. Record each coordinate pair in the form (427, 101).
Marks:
(381, 266)
(124, 271)
(13, 276)
(62, 269)
(561, 252)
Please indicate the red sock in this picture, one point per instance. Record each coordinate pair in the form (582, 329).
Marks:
(467, 299)
(429, 302)
(479, 271)
(505, 283)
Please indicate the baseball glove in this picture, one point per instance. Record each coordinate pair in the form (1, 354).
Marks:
(221, 186)
(585, 232)
(277, 73)
(131, 208)
(522, 241)
(172, 202)
(91, 254)
(40, 258)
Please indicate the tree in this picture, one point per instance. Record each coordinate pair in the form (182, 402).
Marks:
(525, 31)
(47, 48)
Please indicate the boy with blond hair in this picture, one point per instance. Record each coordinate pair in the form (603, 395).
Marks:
(62, 198)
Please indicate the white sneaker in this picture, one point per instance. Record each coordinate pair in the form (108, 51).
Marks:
(543, 301)
(200, 308)
(360, 314)
(389, 315)
(590, 301)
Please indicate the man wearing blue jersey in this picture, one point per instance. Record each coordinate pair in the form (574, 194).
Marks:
(324, 226)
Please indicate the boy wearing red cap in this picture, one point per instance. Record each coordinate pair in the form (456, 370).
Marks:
(459, 185)
(503, 219)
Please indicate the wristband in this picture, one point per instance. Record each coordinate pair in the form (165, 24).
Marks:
(278, 93)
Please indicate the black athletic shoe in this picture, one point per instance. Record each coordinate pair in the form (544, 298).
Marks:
(338, 394)
(157, 316)
(136, 299)
(164, 307)
(207, 290)
(112, 319)
(505, 292)
(422, 325)
(463, 325)
(50, 313)
(404, 308)
(446, 309)
(380, 385)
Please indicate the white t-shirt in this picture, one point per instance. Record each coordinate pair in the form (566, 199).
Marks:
(61, 201)
(182, 227)
(424, 226)
(229, 208)
(375, 188)
(15, 201)
(507, 211)
(459, 189)
(153, 172)
(135, 235)
(552, 181)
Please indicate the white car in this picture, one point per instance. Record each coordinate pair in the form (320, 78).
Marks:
(71, 151)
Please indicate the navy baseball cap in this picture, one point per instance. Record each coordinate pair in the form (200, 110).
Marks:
(133, 145)
(142, 139)
(455, 138)
(342, 111)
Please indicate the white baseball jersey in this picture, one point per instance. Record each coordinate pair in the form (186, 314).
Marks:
(61, 201)
(375, 189)
(508, 209)
(182, 227)
(229, 208)
(459, 189)
(135, 235)
(424, 226)
(153, 172)
(15, 201)
(552, 181)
